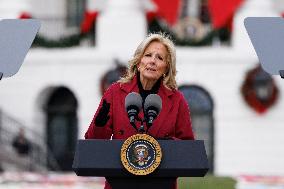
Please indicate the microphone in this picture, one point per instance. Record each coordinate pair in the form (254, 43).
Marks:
(152, 107)
(133, 104)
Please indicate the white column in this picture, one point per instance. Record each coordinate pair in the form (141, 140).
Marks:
(255, 8)
(95, 5)
(279, 6)
(193, 8)
(121, 26)
(13, 8)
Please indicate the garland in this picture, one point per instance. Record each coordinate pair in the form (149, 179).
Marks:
(155, 25)
(88, 25)
(86, 28)
(70, 41)
(249, 94)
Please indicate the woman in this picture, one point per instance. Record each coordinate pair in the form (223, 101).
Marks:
(152, 70)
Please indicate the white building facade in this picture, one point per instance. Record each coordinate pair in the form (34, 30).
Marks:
(244, 141)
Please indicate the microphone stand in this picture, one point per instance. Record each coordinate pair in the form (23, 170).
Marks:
(141, 129)
(134, 126)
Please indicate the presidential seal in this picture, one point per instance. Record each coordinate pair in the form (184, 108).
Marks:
(141, 154)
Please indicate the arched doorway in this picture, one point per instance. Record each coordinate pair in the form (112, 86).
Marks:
(62, 127)
(201, 113)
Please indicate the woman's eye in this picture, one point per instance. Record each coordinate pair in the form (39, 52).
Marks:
(148, 55)
(160, 58)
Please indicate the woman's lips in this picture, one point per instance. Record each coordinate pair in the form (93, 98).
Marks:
(151, 69)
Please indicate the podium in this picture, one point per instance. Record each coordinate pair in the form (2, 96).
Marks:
(101, 158)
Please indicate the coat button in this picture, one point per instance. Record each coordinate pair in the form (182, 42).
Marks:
(167, 135)
(121, 132)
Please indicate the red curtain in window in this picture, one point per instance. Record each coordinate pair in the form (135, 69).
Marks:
(222, 11)
(168, 9)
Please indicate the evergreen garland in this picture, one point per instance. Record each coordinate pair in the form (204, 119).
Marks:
(87, 26)
(70, 41)
(156, 26)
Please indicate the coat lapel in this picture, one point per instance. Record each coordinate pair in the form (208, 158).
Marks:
(131, 86)
(167, 103)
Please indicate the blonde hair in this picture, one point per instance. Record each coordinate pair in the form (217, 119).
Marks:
(169, 78)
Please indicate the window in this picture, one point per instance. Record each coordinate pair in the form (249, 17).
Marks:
(62, 127)
(112, 76)
(201, 112)
(75, 12)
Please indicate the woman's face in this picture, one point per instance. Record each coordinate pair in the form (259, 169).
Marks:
(153, 62)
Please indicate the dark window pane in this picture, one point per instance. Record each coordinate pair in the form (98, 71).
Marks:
(198, 99)
(75, 12)
(201, 112)
(62, 127)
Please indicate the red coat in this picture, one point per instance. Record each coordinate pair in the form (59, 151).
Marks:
(172, 122)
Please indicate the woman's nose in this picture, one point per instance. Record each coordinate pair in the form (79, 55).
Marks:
(153, 59)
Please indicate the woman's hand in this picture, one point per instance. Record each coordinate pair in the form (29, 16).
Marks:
(103, 116)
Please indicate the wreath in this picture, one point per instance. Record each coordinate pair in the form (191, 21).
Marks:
(250, 95)
(191, 28)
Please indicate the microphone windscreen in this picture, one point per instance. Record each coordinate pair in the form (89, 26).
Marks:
(153, 100)
(133, 99)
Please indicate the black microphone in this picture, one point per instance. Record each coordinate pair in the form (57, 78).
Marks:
(133, 104)
(152, 107)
